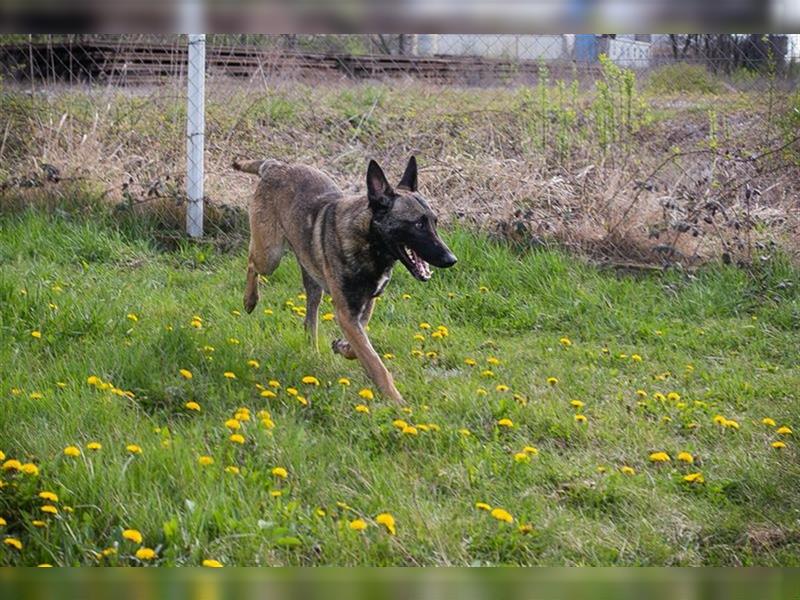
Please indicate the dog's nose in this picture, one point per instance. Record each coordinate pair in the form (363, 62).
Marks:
(449, 260)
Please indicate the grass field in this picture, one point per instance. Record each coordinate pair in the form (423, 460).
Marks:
(97, 323)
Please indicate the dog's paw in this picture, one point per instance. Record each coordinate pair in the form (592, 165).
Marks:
(343, 347)
(250, 302)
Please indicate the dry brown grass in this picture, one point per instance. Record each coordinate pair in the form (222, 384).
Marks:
(674, 188)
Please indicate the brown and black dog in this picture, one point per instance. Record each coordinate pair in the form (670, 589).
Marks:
(345, 245)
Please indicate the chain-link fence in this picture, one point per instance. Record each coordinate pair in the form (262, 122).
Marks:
(637, 148)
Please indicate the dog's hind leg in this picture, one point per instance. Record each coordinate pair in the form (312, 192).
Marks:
(261, 261)
(313, 299)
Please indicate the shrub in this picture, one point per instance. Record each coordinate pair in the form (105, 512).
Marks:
(683, 77)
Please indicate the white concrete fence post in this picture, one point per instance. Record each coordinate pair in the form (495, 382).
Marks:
(195, 134)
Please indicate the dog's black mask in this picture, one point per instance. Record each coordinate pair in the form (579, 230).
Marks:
(405, 222)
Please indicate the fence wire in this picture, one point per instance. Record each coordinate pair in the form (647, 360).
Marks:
(648, 148)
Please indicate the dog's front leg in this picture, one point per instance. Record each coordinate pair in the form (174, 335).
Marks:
(361, 346)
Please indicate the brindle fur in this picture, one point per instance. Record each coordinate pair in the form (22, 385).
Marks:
(345, 245)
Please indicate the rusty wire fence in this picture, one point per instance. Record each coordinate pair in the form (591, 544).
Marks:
(656, 149)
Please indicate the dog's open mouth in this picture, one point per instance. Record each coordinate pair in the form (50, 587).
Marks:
(416, 266)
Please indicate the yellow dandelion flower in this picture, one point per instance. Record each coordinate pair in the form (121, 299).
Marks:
(192, 405)
(229, 375)
(465, 432)
(431, 354)
(601, 469)
(525, 528)
(280, 472)
(483, 289)
(487, 373)
(232, 469)
(362, 408)
(627, 470)
(12, 464)
(94, 446)
(328, 316)
(145, 554)
(437, 335)
(673, 396)
(310, 380)
(233, 424)
(694, 478)
(481, 392)
(783, 430)
(292, 391)
(659, 396)
(685, 457)
(133, 535)
(580, 418)
(506, 422)
(731, 424)
(268, 394)
(418, 337)
(38, 523)
(358, 525)
(49, 509)
(410, 430)
(424, 325)
(719, 420)
(483, 506)
(253, 363)
(565, 341)
(493, 360)
(343, 381)
(3, 522)
(49, 496)
(768, 422)
(268, 423)
(470, 362)
(132, 317)
(387, 520)
(659, 457)
(417, 353)
(13, 542)
(636, 358)
(210, 563)
(237, 438)
(205, 460)
(778, 445)
(35, 396)
(502, 515)
(366, 393)
(530, 450)
(72, 451)
(29, 469)
(133, 449)
(502, 388)
(273, 383)
(552, 381)
(641, 393)
(301, 400)
(185, 373)
(36, 334)
(521, 457)
(576, 404)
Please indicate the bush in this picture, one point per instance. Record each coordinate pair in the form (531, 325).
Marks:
(683, 77)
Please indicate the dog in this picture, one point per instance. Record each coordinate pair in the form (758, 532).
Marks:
(345, 245)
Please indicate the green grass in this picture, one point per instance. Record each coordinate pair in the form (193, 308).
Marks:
(76, 281)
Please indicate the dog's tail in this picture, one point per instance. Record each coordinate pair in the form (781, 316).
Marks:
(255, 167)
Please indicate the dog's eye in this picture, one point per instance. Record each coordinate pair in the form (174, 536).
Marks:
(420, 224)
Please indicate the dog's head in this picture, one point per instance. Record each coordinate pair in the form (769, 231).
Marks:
(405, 222)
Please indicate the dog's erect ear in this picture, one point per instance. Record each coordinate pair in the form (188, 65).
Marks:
(409, 179)
(379, 192)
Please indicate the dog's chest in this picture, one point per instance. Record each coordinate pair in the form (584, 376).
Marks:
(381, 284)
